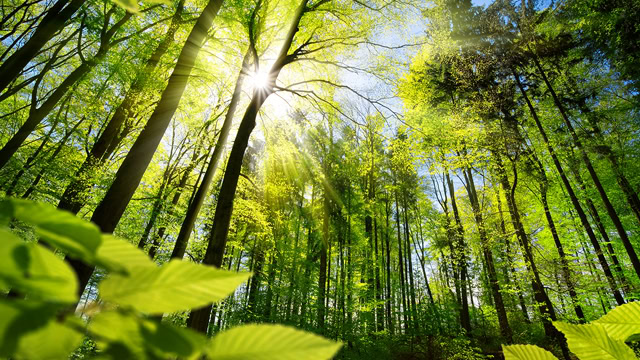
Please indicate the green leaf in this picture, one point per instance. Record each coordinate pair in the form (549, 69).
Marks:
(30, 330)
(622, 322)
(117, 255)
(56, 340)
(127, 335)
(129, 5)
(35, 271)
(62, 229)
(526, 352)
(176, 286)
(132, 5)
(262, 342)
(591, 342)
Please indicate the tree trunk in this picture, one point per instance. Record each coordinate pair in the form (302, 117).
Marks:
(322, 276)
(401, 270)
(461, 259)
(224, 208)
(30, 160)
(389, 298)
(498, 302)
(595, 215)
(572, 196)
(117, 127)
(196, 204)
(110, 210)
(594, 176)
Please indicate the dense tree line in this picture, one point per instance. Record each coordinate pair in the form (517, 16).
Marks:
(484, 188)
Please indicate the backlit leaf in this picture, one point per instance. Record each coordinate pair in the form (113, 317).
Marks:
(117, 255)
(591, 342)
(35, 271)
(262, 342)
(176, 286)
(526, 352)
(622, 322)
(76, 237)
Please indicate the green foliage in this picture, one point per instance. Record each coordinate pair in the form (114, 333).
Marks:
(133, 6)
(62, 230)
(602, 339)
(41, 326)
(32, 269)
(175, 286)
(261, 342)
(622, 322)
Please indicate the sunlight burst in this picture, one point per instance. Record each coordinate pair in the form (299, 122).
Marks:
(260, 79)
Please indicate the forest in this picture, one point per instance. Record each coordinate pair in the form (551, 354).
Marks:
(318, 179)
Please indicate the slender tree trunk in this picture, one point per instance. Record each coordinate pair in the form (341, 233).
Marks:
(251, 313)
(224, 207)
(117, 127)
(389, 298)
(545, 306)
(52, 158)
(572, 196)
(294, 258)
(412, 287)
(461, 259)
(161, 198)
(498, 302)
(30, 160)
(196, 204)
(110, 210)
(594, 176)
(595, 215)
(401, 270)
(564, 263)
(322, 276)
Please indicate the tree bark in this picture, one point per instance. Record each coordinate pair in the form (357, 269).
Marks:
(498, 301)
(224, 208)
(110, 210)
(461, 259)
(196, 204)
(572, 196)
(117, 127)
(594, 176)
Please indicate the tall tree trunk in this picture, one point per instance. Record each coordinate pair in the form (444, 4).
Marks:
(224, 208)
(196, 204)
(461, 259)
(117, 127)
(322, 276)
(401, 270)
(52, 158)
(498, 302)
(545, 307)
(564, 263)
(572, 196)
(389, 298)
(110, 210)
(595, 215)
(251, 313)
(623, 182)
(294, 258)
(31, 159)
(412, 287)
(594, 176)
